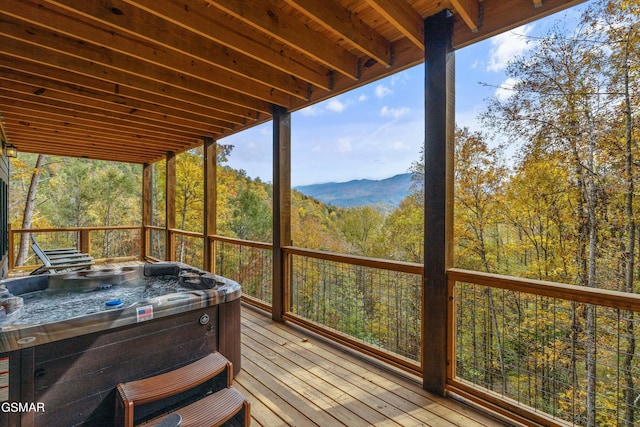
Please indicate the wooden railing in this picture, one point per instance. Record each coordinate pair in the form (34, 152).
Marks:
(155, 247)
(105, 244)
(371, 305)
(544, 351)
(515, 346)
(186, 247)
(247, 262)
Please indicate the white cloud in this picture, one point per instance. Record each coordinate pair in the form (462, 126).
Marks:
(344, 145)
(363, 98)
(400, 146)
(401, 77)
(266, 131)
(505, 90)
(508, 45)
(394, 112)
(382, 91)
(336, 106)
(310, 111)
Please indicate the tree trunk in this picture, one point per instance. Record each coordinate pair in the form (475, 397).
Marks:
(27, 215)
(629, 390)
(591, 344)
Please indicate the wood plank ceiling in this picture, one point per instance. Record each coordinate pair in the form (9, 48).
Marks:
(129, 80)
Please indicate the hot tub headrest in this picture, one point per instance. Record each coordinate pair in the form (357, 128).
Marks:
(162, 269)
(23, 285)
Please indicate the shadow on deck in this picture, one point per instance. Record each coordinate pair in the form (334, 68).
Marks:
(295, 379)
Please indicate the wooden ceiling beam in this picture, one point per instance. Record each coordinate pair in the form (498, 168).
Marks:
(403, 17)
(76, 149)
(128, 95)
(21, 48)
(406, 56)
(469, 11)
(16, 99)
(24, 111)
(167, 44)
(97, 140)
(121, 68)
(22, 121)
(70, 102)
(26, 117)
(217, 27)
(335, 18)
(96, 144)
(93, 96)
(269, 18)
(503, 15)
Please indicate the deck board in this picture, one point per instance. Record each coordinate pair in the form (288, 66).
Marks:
(294, 378)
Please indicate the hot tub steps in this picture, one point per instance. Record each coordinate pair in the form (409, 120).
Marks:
(213, 410)
(167, 391)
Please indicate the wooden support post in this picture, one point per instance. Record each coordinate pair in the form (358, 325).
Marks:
(170, 208)
(210, 202)
(281, 209)
(147, 174)
(438, 194)
(85, 241)
(11, 256)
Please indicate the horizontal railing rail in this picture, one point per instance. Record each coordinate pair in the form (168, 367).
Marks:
(604, 297)
(179, 232)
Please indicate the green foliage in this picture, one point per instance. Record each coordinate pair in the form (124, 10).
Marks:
(252, 216)
(77, 192)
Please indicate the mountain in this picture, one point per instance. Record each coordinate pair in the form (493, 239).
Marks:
(385, 193)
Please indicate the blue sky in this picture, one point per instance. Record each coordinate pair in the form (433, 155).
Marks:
(376, 131)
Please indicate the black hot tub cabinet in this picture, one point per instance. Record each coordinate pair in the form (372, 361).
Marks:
(64, 373)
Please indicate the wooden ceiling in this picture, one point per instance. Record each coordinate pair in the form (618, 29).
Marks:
(129, 80)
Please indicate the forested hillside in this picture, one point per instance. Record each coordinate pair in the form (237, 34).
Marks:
(384, 194)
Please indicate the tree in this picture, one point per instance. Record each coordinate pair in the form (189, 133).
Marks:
(560, 106)
(360, 227)
(252, 215)
(620, 20)
(29, 207)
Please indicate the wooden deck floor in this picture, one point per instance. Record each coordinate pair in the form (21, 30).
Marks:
(294, 379)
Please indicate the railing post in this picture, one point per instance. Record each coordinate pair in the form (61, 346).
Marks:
(10, 251)
(147, 172)
(210, 202)
(85, 241)
(438, 196)
(281, 210)
(170, 216)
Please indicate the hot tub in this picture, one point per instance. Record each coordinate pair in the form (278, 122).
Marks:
(60, 361)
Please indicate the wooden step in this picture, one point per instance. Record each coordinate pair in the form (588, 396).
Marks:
(164, 386)
(211, 411)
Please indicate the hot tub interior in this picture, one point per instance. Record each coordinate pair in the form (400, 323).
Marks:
(43, 299)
